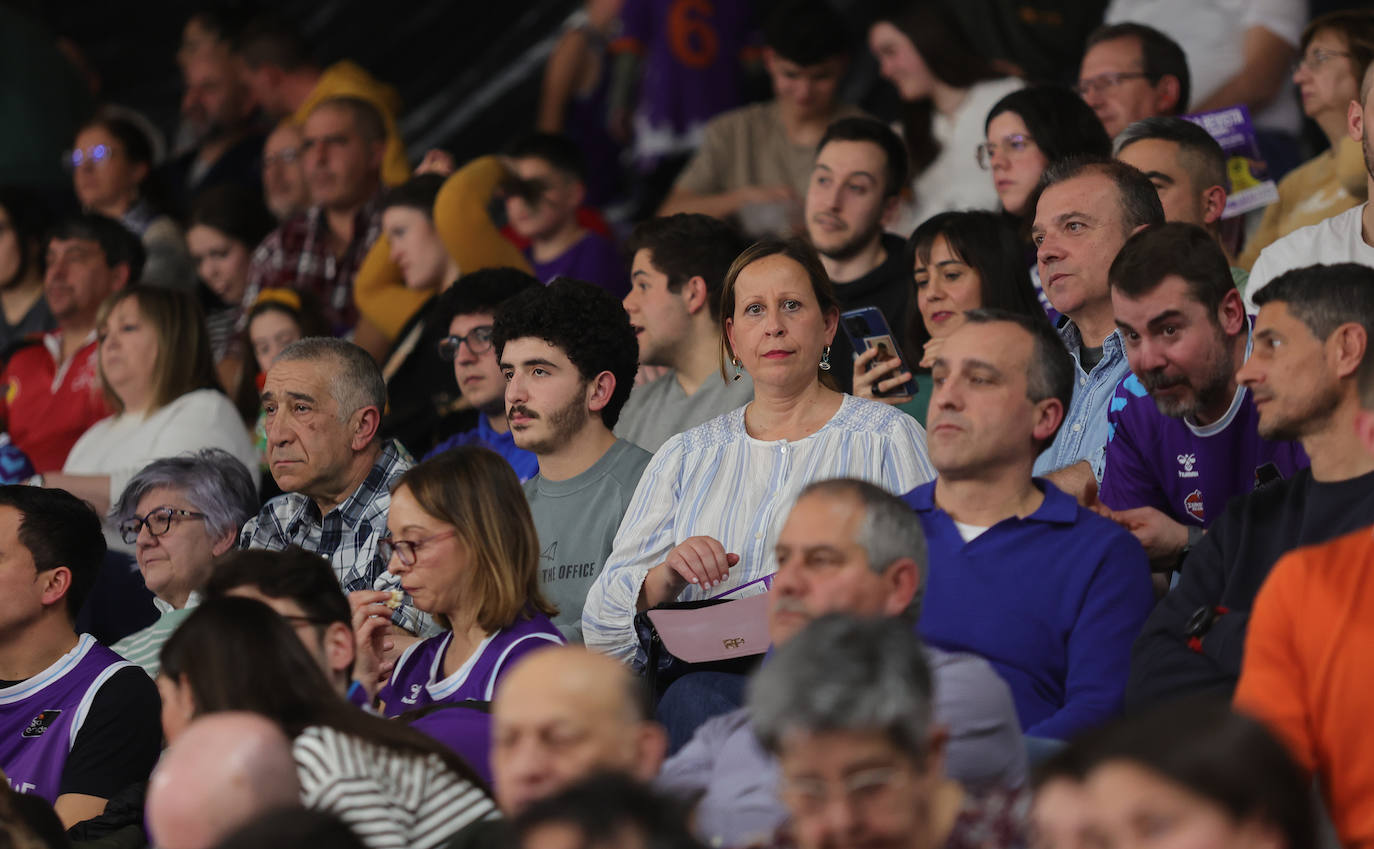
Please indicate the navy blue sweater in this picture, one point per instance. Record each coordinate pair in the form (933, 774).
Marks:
(1053, 601)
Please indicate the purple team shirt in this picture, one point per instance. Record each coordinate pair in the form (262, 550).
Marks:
(594, 259)
(693, 68)
(40, 717)
(417, 680)
(1186, 471)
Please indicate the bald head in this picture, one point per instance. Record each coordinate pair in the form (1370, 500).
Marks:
(224, 770)
(563, 714)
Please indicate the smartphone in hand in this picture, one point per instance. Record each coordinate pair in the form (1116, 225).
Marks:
(868, 328)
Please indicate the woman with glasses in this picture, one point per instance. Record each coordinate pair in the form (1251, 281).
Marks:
(1026, 131)
(154, 364)
(468, 310)
(181, 514)
(110, 162)
(461, 540)
(945, 89)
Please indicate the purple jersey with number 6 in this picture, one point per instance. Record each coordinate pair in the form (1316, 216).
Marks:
(1187, 471)
(693, 69)
(418, 679)
(40, 717)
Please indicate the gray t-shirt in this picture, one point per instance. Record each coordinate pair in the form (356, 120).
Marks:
(659, 410)
(577, 520)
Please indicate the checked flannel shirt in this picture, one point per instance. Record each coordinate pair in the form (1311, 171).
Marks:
(346, 536)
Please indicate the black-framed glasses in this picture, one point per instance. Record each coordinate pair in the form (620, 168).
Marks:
(1010, 145)
(404, 548)
(1102, 82)
(96, 155)
(478, 339)
(1317, 58)
(159, 522)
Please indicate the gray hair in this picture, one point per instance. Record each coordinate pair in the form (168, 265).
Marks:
(842, 673)
(1201, 156)
(214, 481)
(890, 530)
(357, 382)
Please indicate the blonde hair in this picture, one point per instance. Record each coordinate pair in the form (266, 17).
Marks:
(476, 491)
(184, 362)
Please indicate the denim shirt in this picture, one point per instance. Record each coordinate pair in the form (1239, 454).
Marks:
(1083, 435)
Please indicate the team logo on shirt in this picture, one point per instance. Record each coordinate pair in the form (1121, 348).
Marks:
(40, 723)
(1193, 504)
(1187, 461)
(414, 695)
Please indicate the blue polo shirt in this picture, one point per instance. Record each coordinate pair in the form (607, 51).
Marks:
(526, 465)
(1053, 601)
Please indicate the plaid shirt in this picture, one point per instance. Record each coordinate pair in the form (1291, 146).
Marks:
(347, 535)
(297, 256)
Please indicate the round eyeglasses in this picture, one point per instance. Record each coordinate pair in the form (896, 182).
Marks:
(1010, 145)
(478, 340)
(405, 549)
(95, 156)
(159, 522)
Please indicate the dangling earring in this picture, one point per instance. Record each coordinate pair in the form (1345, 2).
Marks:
(739, 370)
(825, 358)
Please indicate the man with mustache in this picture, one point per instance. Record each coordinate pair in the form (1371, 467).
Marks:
(855, 188)
(1182, 435)
(1311, 336)
(569, 357)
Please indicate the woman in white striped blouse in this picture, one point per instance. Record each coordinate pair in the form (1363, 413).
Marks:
(393, 786)
(702, 519)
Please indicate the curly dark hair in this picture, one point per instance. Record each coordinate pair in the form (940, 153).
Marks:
(588, 323)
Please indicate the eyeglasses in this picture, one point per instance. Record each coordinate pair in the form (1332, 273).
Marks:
(1317, 58)
(159, 522)
(858, 789)
(95, 156)
(1011, 145)
(478, 339)
(404, 548)
(1102, 82)
(286, 156)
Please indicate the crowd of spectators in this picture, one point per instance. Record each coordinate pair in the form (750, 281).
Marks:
(927, 453)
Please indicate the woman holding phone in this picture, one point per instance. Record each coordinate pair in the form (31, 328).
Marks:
(961, 261)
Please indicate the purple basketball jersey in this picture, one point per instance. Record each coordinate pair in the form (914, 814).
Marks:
(40, 717)
(417, 679)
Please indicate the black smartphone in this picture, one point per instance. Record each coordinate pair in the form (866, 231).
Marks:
(868, 328)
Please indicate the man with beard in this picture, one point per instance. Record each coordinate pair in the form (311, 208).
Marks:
(856, 183)
(1310, 337)
(218, 110)
(1348, 237)
(1173, 464)
(569, 357)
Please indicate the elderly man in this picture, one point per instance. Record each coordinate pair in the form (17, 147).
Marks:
(323, 401)
(78, 723)
(848, 705)
(222, 772)
(847, 546)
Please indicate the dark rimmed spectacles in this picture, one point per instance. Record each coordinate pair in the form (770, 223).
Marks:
(1102, 82)
(159, 522)
(478, 340)
(405, 549)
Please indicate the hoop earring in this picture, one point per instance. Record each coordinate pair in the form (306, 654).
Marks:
(739, 370)
(825, 358)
